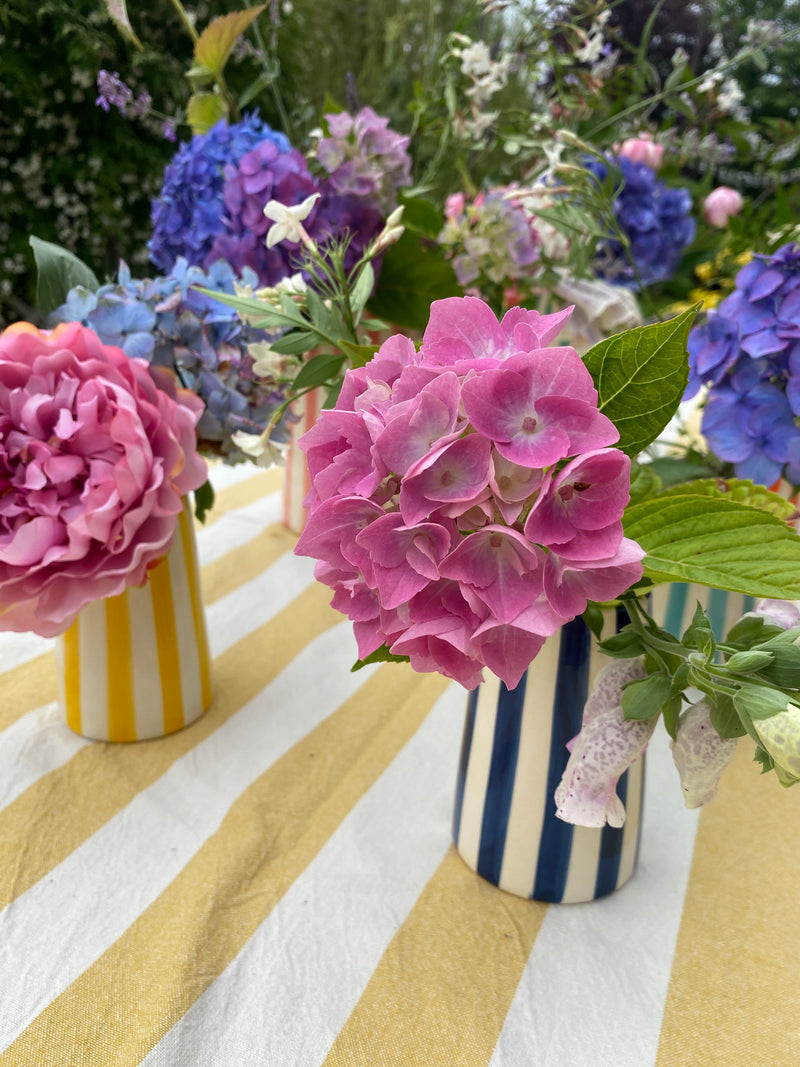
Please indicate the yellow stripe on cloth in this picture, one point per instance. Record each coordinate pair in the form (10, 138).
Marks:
(736, 970)
(443, 988)
(64, 807)
(243, 493)
(122, 1005)
(28, 686)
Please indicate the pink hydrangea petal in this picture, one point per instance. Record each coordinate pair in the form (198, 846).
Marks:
(507, 650)
(531, 330)
(569, 584)
(462, 328)
(457, 472)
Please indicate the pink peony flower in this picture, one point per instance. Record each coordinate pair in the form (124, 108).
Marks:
(720, 205)
(642, 149)
(96, 452)
(465, 503)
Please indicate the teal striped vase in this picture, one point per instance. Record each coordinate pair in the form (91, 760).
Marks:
(512, 757)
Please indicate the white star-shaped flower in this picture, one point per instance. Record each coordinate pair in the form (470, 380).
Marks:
(288, 220)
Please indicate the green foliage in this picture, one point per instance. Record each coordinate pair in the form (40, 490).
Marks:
(412, 275)
(58, 271)
(640, 376)
(716, 542)
(643, 698)
(380, 655)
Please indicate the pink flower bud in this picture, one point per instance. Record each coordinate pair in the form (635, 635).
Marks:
(720, 205)
(454, 206)
(642, 149)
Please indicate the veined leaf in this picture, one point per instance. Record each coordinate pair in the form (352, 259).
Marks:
(739, 491)
(204, 110)
(359, 355)
(412, 275)
(716, 542)
(215, 44)
(640, 376)
(319, 369)
(58, 272)
(118, 13)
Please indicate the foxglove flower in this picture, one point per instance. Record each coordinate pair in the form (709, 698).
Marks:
(700, 755)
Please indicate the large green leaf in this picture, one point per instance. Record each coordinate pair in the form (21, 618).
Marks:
(58, 272)
(640, 376)
(739, 490)
(204, 110)
(215, 44)
(412, 275)
(716, 542)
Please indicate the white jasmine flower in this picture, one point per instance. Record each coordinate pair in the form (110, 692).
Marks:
(260, 449)
(476, 60)
(590, 51)
(288, 220)
(730, 96)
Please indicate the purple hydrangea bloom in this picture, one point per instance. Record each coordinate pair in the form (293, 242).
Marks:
(365, 157)
(748, 353)
(169, 323)
(189, 213)
(656, 219)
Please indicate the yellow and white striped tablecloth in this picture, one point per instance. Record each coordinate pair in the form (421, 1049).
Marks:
(275, 885)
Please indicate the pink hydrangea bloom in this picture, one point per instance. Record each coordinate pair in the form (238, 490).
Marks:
(604, 749)
(642, 149)
(720, 205)
(94, 459)
(465, 501)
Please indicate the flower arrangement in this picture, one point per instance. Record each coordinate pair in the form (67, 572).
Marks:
(96, 451)
(470, 497)
(747, 354)
(170, 323)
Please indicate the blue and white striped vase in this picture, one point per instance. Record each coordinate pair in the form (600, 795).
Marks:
(512, 757)
(673, 607)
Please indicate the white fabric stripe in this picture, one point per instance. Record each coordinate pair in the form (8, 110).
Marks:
(16, 649)
(291, 975)
(64, 922)
(609, 1016)
(244, 609)
(34, 745)
(221, 475)
(237, 527)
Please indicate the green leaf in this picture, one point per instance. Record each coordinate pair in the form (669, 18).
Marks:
(412, 276)
(718, 543)
(295, 343)
(118, 14)
(680, 680)
(738, 490)
(699, 633)
(327, 319)
(641, 376)
(203, 500)
(757, 702)
(643, 698)
(746, 633)
(204, 110)
(784, 668)
(670, 713)
(362, 290)
(380, 655)
(674, 471)
(58, 272)
(593, 617)
(319, 369)
(253, 89)
(624, 645)
(214, 45)
(644, 482)
(724, 717)
(420, 216)
(358, 355)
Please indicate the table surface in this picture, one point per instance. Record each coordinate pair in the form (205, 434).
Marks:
(275, 885)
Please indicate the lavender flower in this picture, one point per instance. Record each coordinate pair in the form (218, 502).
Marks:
(204, 343)
(113, 92)
(655, 219)
(748, 353)
(365, 157)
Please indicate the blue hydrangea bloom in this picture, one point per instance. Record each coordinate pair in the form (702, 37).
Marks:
(748, 354)
(656, 220)
(189, 212)
(202, 341)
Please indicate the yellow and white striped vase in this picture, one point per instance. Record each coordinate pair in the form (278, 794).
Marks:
(137, 665)
(297, 482)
